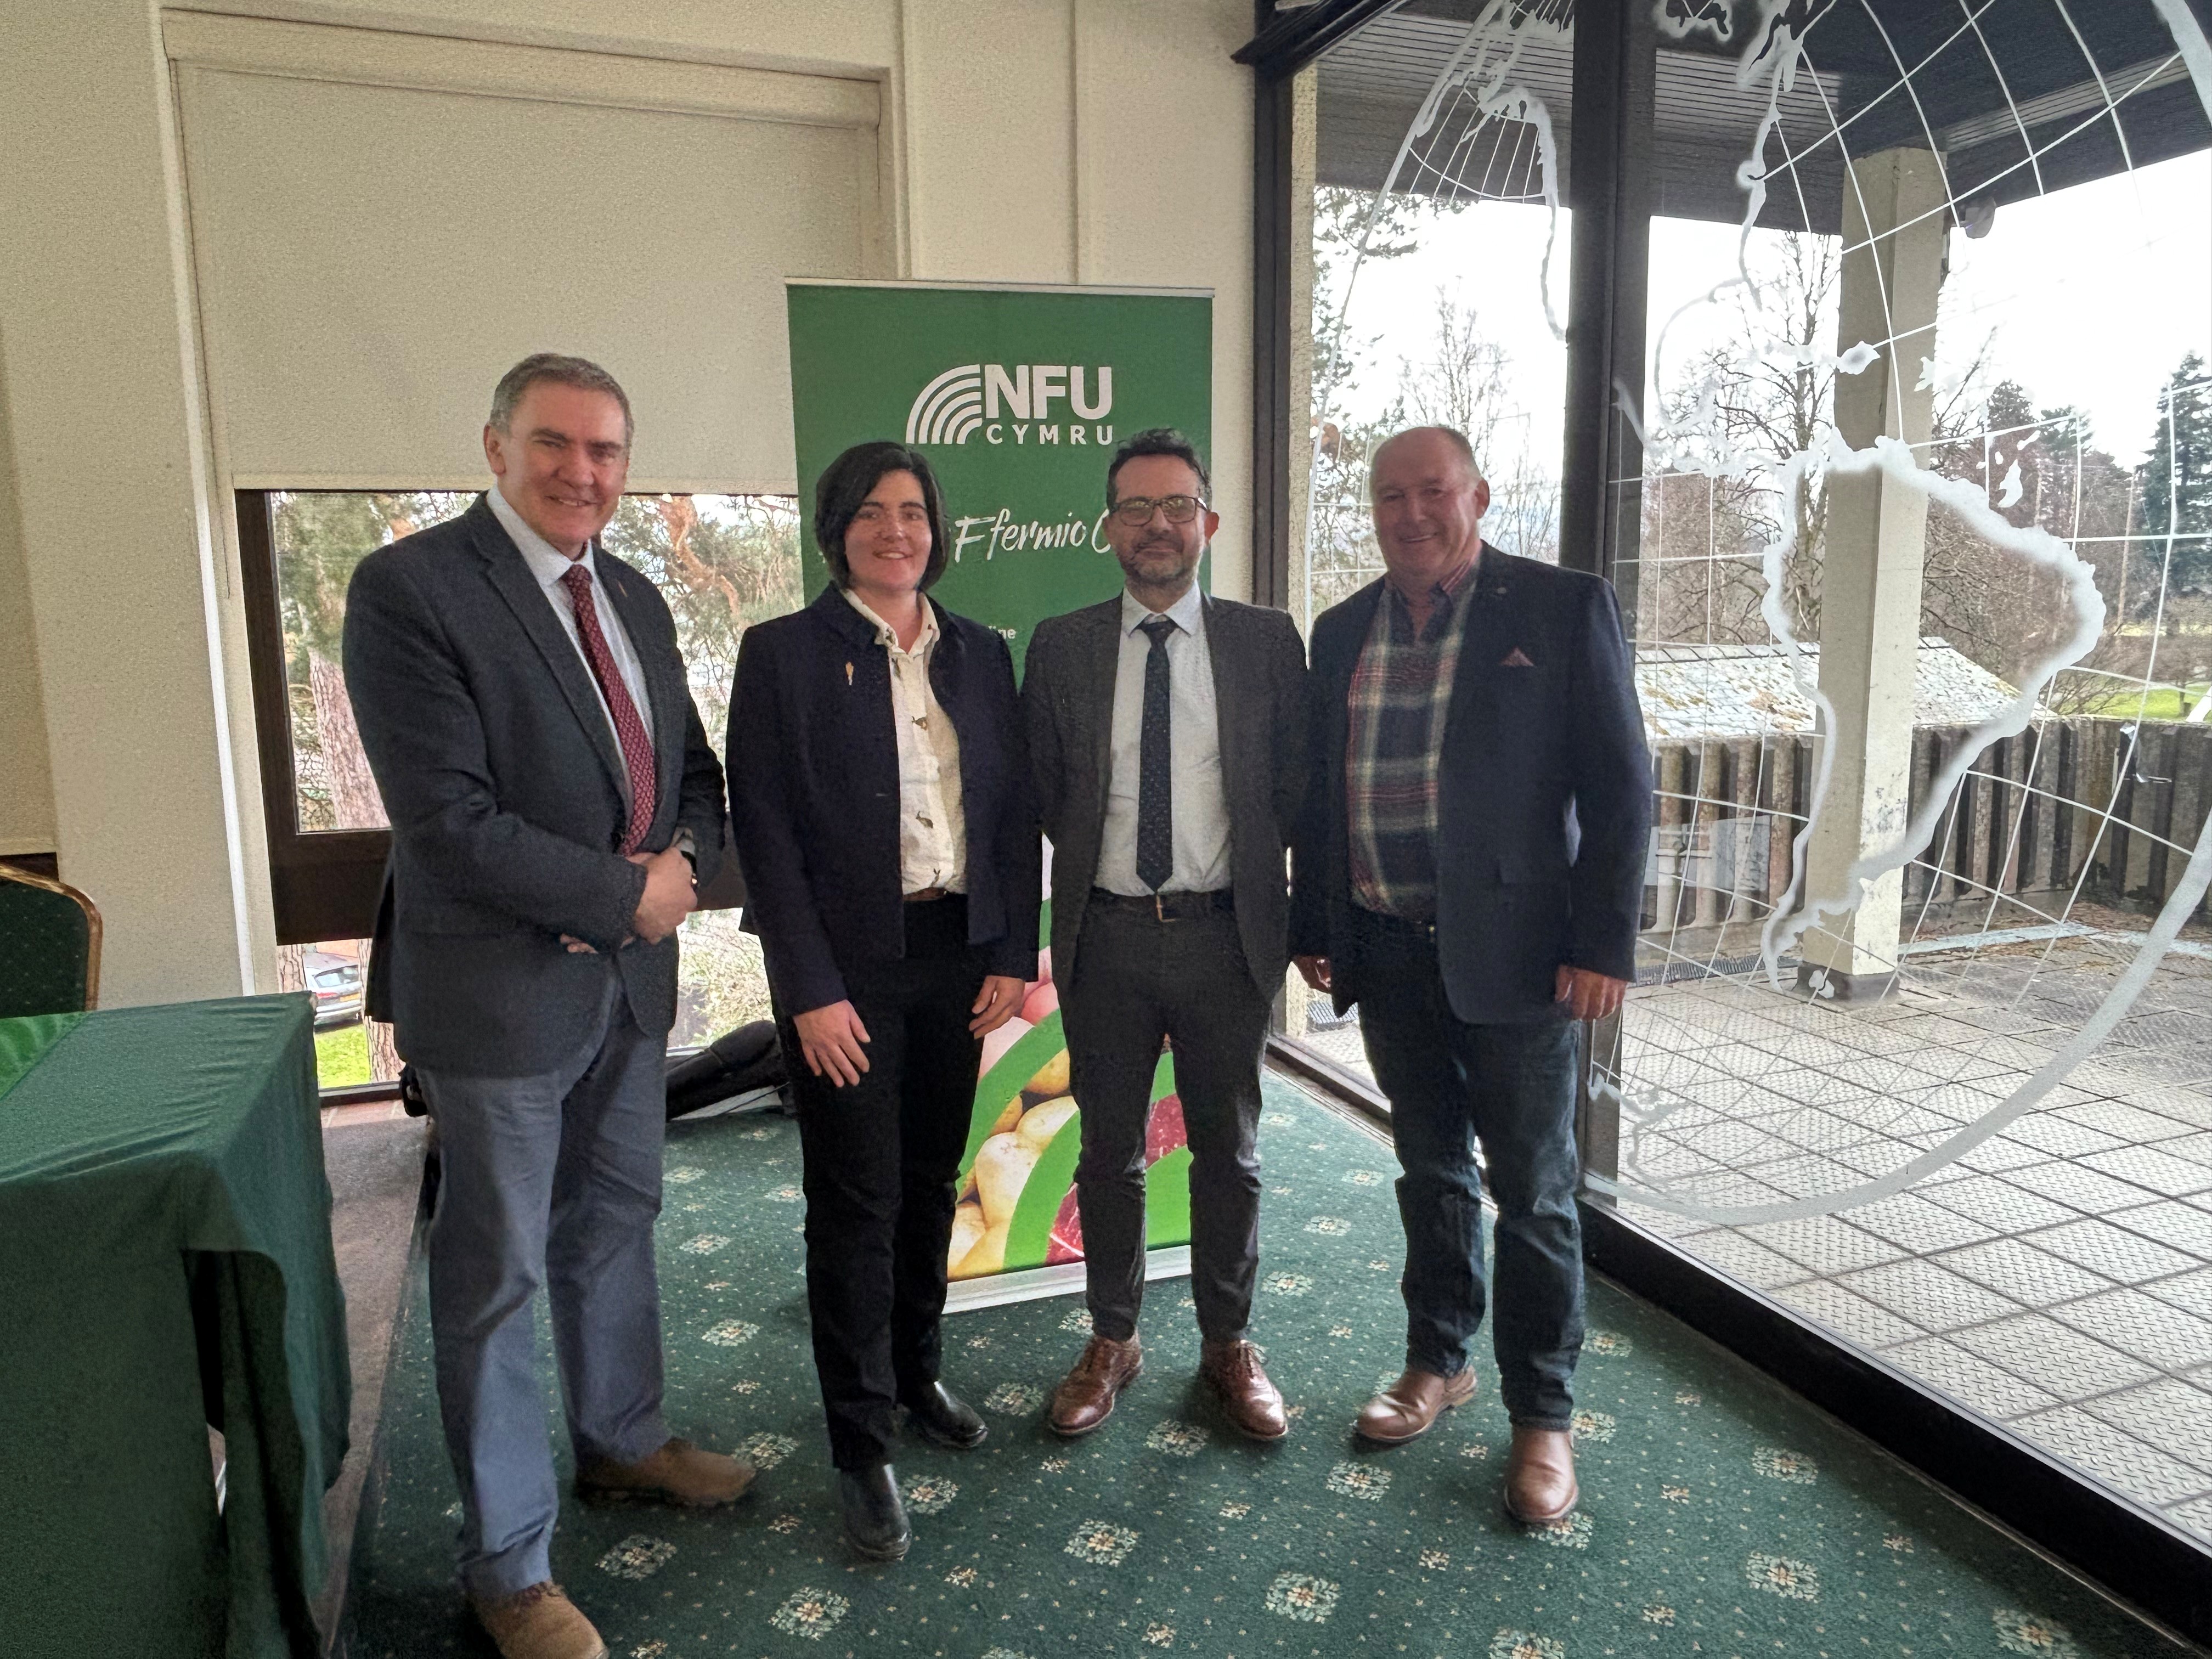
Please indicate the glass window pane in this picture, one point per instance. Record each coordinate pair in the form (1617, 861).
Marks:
(1921, 645)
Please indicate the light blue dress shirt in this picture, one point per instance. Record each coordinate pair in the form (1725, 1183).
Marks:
(1200, 809)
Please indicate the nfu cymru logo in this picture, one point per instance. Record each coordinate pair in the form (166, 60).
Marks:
(1013, 406)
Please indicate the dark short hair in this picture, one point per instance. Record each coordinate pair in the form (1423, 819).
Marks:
(1159, 441)
(579, 372)
(842, 489)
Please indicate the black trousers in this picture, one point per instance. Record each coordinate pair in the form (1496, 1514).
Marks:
(880, 1158)
(1140, 981)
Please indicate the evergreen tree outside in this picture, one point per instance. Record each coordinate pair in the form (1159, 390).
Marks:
(2176, 482)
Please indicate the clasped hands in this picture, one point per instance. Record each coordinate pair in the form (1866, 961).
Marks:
(672, 893)
(1588, 994)
(833, 1039)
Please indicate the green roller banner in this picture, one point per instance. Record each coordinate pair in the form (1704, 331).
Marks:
(1018, 396)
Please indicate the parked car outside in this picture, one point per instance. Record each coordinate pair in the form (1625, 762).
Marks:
(335, 983)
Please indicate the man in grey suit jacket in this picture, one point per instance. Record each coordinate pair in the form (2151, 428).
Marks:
(1164, 730)
(524, 710)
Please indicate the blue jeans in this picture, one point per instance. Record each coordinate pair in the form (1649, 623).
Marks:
(551, 1180)
(1512, 1088)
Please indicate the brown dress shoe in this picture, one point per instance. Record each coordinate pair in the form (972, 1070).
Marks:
(1405, 1410)
(1539, 1476)
(1085, 1398)
(1249, 1400)
(678, 1473)
(539, 1623)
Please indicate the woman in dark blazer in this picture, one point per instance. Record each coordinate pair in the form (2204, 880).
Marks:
(889, 845)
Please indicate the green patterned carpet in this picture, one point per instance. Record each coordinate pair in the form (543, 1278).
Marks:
(1720, 1516)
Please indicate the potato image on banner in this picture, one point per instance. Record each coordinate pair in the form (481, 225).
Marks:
(967, 1229)
(1043, 1120)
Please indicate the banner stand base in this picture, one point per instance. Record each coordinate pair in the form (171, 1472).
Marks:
(1029, 1283)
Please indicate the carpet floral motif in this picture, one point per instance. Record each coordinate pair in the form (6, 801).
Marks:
(1288, 1284)
(1778, 1464)
(1777, 1575)
(683, 1175)
(812, 1614)
(1611, 1345)
(730, 1334)
(704, 1244)
(1159, 1636)
(1178, 1439)
(1014, 1399)
(1078, 1320)
(767, 1450)
(1101, 1543)
(1571, 1533)
(2027, 1633)
(1593, 1425)
(1361, 1480)
(932, 1494)
(637, 1556)
(1329, 1226)
(1300, 1596)
(1524, 1644)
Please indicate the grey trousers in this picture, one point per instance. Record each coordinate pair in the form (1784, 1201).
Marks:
(550, 1180)
(1139, 980)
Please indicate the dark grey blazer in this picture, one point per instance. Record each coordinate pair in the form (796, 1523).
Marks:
(1258, 689)
(505, 789)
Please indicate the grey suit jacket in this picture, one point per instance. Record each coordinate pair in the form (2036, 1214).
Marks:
(1259, 685)
(504, 788)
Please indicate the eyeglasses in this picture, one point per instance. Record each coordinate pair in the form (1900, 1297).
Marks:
(1136, 511)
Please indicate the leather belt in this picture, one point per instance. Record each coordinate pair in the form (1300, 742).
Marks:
(924, 894)
(1167, 907)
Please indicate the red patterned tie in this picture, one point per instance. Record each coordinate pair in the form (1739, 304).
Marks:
(636, 744)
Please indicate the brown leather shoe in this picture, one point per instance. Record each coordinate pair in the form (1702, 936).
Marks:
(678, 1473)
(1085, 1398)
(1539, 1476)
(1251, 1403)
(539, 1623)
(1405, 1410)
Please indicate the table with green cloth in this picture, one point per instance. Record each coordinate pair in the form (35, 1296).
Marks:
(165, 1265)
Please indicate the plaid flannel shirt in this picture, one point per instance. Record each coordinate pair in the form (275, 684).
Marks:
(1401, 694)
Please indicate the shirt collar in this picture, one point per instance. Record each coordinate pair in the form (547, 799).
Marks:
(1187, 613)
(885, 635)
(547, 562)
(1445, 592)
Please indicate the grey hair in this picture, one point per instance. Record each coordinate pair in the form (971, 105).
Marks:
(579, 372)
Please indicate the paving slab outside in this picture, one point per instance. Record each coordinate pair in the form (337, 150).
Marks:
(1720, 1515)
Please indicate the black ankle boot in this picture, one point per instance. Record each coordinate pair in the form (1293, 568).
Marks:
(875, 1519)
(942, 1417)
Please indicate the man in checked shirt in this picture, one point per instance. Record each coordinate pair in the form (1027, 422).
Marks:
(1469, 869)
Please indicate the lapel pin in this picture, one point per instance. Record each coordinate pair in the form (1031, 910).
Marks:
(848, 673)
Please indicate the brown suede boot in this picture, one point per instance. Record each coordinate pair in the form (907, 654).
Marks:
(539, 1623)
(1252, 1404)
(1539, 1476)
(1405, 1410)
(678, 1473)
(1085, 1398)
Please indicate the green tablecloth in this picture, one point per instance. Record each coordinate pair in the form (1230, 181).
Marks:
(165, 1263)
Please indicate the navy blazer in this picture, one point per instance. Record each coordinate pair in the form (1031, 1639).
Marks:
(1545, 794)
(504, 786)
(815, 755)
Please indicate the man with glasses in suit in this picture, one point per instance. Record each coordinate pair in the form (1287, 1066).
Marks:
(1166, 733)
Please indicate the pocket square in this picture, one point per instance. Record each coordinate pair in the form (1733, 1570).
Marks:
(1517, 658)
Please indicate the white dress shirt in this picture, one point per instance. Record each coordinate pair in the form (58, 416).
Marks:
(933, 830)
(549, 564)
(1199, 808)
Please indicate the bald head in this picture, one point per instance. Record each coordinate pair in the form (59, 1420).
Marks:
(1427, 440)
(1429, 498)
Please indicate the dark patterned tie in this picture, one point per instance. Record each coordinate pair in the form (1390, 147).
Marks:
(1155, 801)
(636, 744)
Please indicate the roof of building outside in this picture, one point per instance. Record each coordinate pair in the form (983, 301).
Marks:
(1750, 690)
